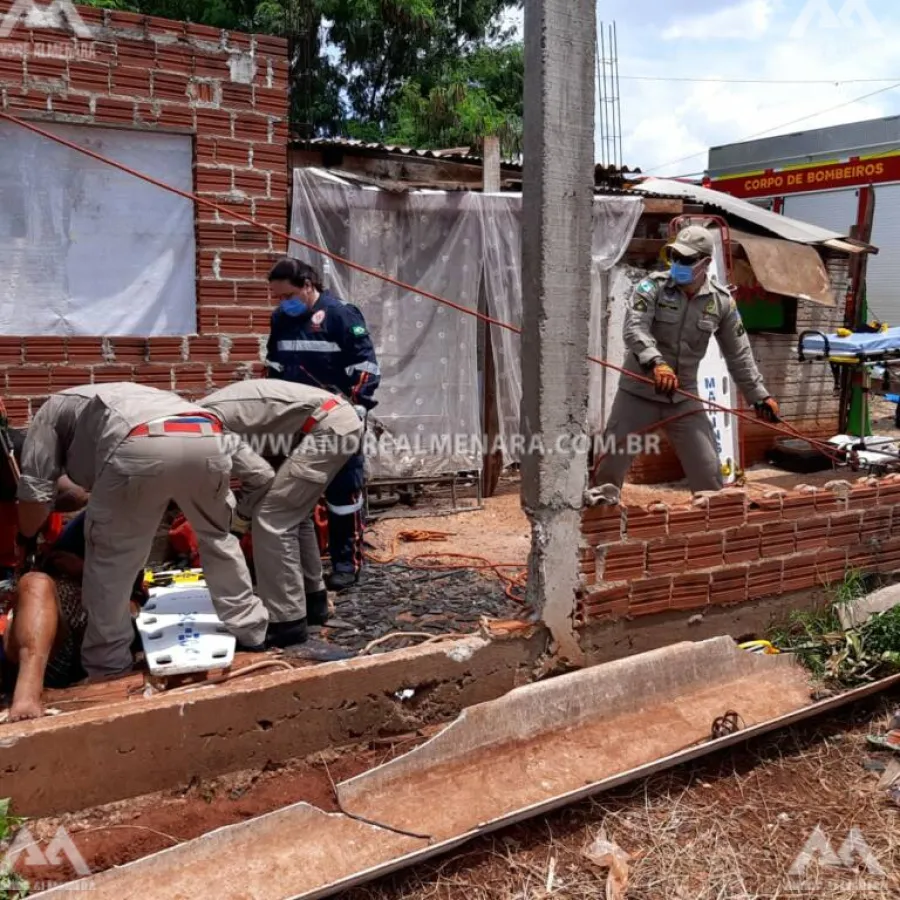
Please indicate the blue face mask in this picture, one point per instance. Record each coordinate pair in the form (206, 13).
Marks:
(681, 273)
(294, 306)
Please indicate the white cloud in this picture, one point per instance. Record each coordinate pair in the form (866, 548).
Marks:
(747, 21)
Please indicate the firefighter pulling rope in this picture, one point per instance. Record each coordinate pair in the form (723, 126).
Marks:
(780, 427)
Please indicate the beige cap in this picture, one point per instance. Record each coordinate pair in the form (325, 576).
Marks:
(694, 240)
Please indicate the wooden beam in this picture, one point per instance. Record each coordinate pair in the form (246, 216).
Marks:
(491, 165)
(659, 206)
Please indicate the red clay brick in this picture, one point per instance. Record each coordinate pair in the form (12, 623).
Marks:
(216, 234)
(90, 77)
(155, 376)
(231, 152)
(831, 565)
(175, 117)
(136, 53)
(247, 350)
(28, 381)
(269, 157)
(207, 319)
(246, 237)
(889, 555)
(686, 520)
(46, 69)
(798, 506)
(865, 557)
(727, 509)
(223, 374)
(71, 105)
(622, 562)
(130, 81)
(252, 128)
(63, 377)
(174, 59)
(862, 497)
(121, 21)
(84, 349)
(234, 321)
(112, 373)
(889, 493)
(764, 510)
(273, 101)
(11, 351)
(650, 595)
(742, 544)
(204, 150)
(44, 349)
(205, 349)
(269, 44)
(271, 212)
(129, 349)
(705, 551)
(213, 121)
(844, 529)
(170, 86)
(115, 111)
(165, 349)
(812, 533)
(213, 180)
(211, 292)
(642, 524)
(200, 92)
(190, 376)
(827, 501)
(729, 585)
(251, 183)
(16, 410)
(778, 539)
(800, 573)
(30, 100)
(238, 97)
(667, 556)
(764, 579)
(233, 264)
(691, 590)
(12, 71)
(876, 524)
(205, 33)
(156, 26)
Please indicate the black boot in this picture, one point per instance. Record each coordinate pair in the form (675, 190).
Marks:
(340, 581)
(317, 608)
(286, 634)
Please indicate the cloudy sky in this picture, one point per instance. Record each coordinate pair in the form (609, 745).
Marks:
(698, 73)
(669, 124)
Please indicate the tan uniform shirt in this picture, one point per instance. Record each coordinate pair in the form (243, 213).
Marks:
(77, 430)
(663, 322)
(268, 415)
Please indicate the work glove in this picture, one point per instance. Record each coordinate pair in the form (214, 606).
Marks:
(768, 410)
(27, 552)
(665, 379)
(239, 525)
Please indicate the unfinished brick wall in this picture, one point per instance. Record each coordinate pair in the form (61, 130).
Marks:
(727, 548)
(228, 90)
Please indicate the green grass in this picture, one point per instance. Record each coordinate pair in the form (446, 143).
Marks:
(12, 886)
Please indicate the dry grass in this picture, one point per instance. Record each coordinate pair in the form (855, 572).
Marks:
(727, 828)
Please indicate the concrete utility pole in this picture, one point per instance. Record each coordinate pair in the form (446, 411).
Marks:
(560, 47)
(491, 164)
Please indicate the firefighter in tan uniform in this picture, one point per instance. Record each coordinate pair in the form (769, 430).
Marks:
(670, 319)
(136, 448)
(310, 434)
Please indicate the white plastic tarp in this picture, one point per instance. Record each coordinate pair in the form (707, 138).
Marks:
(454, 245)
(88, 250)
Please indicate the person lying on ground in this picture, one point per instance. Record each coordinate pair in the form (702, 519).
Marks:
(45, 625)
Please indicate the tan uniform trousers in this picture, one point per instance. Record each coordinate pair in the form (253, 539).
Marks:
(126, 506)
(691, 437)
(285, 549)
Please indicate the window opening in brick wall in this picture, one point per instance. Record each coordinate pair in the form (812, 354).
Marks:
(86, 249)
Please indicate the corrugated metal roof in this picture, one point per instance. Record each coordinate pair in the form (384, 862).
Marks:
(789, 229)
(453, 154)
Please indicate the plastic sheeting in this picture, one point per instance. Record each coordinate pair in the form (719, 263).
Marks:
(86, 249)
(465, 247)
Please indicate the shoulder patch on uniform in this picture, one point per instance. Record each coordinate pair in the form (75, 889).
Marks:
(711, 308)
(640, 303)
(740, 331)
(359, 331)
(647, 286)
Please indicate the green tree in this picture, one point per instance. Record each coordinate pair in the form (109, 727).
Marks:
(364, 67)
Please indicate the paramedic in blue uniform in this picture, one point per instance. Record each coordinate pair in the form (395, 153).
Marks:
(319, 340)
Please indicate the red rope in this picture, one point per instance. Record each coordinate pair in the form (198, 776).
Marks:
(783, 429)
